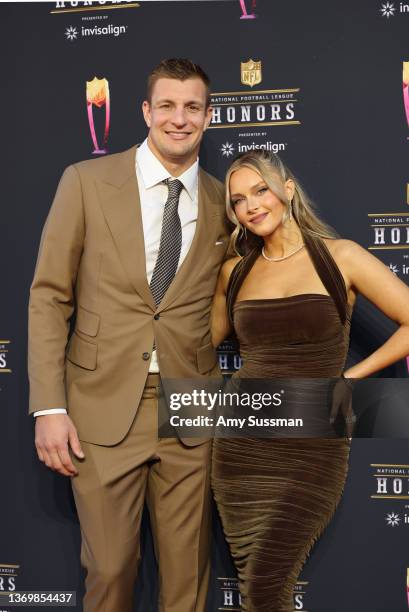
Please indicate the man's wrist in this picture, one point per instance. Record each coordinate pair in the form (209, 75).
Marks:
(50, 411)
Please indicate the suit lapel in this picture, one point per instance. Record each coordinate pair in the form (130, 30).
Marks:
(120, 202)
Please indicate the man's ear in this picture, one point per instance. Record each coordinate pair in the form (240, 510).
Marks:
(209, 114)
(146, 109)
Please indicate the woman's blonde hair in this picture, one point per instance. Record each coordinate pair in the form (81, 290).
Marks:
(275, 173)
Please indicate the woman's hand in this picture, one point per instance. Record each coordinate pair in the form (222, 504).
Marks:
(341, 405)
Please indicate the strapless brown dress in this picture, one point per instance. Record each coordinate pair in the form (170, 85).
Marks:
(276, 496)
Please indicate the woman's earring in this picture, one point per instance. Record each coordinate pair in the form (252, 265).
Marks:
(290, 211)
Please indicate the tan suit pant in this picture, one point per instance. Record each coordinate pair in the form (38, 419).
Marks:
(109, 492)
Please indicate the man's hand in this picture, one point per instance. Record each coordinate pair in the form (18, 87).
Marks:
(54, 435)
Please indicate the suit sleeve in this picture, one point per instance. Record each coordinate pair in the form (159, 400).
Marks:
(52, 294)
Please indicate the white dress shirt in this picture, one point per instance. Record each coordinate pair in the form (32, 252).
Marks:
(153, 194)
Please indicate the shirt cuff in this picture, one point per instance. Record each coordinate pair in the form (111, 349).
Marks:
(50, 411)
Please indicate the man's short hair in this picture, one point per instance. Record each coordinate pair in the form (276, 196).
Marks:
(180, 69)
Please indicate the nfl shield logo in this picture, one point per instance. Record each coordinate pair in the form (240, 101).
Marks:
(251, 73)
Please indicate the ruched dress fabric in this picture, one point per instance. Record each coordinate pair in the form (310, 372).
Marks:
(276, 496)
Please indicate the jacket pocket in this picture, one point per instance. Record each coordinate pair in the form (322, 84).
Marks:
(87, 322)
(206, 358)
(82, 353)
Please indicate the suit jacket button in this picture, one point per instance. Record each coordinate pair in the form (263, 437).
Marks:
(156, 317)
(146, 356)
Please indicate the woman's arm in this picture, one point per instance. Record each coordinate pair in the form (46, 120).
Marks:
(365, 274)
(220, 324)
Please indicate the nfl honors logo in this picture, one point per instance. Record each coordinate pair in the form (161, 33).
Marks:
(253, 107)
(8, 575)
(4, 353)
(251, 73)
(229, 599)
(391, 481)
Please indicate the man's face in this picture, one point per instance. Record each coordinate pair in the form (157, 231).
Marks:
(177, 117)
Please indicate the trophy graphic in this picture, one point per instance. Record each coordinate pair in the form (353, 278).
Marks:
(98, 95)
(407, 584)
(406, 89)
(245, 14)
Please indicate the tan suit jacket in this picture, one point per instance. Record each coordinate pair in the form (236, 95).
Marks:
(91, 263)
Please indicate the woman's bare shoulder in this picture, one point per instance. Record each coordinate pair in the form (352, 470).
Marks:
(341, 248)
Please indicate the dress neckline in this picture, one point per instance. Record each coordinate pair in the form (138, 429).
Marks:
(286, 297)
(325, 267)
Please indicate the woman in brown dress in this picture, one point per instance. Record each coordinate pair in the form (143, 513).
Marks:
(289, 301)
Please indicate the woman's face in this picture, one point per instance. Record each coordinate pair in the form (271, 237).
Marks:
(256, 207)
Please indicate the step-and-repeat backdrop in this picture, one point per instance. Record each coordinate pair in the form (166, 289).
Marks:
(326, 85)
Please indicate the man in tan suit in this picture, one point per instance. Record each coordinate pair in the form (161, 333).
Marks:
(132, 248)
